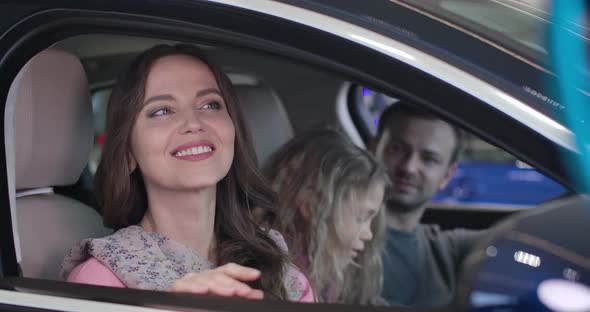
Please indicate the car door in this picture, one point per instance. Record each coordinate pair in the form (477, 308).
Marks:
(391, 64)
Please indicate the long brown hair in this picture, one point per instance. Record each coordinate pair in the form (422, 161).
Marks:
(123, 199)
(322, 170)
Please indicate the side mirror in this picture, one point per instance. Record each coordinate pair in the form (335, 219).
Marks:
(538, 260)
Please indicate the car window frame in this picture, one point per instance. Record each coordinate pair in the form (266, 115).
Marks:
(44, 28)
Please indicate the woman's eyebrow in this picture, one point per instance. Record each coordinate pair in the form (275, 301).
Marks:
(208, 91)
(161, 97)
(373, 211)
(169, 97)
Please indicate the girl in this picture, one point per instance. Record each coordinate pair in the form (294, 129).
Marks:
(331, 208)
(178, 180)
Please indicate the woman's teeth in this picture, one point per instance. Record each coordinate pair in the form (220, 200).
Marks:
(194, 151)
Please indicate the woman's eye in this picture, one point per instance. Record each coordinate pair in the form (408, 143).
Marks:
(161, 112)
(366, 217)
(211, 105)
(361, 219)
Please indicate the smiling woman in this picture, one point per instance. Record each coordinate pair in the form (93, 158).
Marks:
(177, 180)
(174, 120)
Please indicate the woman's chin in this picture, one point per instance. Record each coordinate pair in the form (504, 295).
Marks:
(196, 185)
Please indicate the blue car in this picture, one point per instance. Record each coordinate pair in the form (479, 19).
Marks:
(488, 183)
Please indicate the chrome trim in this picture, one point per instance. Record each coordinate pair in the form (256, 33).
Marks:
(465, 81)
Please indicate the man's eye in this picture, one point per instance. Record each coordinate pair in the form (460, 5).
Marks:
(161, 112)
(395, 147)
(431, 160)
(212, 105)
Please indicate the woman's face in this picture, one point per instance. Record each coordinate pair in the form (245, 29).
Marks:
(183, 138)
(358, 215)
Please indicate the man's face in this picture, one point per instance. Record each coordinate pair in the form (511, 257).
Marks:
(417, 154)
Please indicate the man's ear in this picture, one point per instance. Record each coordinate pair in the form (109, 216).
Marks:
(131, 162)
(379, 143)
(448, 176)
(373, 145)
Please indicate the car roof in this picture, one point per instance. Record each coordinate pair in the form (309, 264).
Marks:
(447, 29)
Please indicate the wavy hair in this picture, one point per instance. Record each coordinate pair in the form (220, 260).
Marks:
(123, 199)
(322, 171)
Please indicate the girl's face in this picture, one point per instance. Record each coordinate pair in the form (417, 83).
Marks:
(183, 138)
(358, 215)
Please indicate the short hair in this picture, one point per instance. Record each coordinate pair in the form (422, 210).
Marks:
(402, 108)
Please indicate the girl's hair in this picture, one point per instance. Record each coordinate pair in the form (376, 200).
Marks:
(364, 278)
(122, 195)
(316, 175)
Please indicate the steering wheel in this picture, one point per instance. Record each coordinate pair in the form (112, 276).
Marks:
(537, 260)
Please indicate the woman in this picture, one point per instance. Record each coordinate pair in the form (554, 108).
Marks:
(331, 208)
(178, 180)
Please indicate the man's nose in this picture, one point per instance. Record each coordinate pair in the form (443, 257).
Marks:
(410, 163)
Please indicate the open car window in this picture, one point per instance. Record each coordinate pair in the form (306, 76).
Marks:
(487, 177)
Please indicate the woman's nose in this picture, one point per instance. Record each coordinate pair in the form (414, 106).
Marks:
(191, 122)
(366, 234)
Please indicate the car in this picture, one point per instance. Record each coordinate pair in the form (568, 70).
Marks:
(485, 66)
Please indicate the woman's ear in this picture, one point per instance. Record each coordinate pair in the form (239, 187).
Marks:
(131, 163)
(304, 209)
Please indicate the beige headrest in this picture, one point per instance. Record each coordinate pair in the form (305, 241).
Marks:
(52, 120)
(266, 117)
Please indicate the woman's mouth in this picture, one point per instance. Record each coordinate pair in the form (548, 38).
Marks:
(355, 252)
(199, 150)
(194, 151)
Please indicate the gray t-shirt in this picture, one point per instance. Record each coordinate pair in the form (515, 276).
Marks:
(420, 268)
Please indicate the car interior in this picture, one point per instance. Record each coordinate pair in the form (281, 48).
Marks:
(51, 171)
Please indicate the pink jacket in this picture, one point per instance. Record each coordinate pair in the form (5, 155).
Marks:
(93, 272)
(134, 258)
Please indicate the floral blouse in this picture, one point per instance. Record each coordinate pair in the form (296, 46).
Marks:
(149, 260)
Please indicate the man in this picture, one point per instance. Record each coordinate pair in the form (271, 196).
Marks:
(420, 152)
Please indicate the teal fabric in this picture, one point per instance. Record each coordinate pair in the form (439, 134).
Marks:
(421, 267)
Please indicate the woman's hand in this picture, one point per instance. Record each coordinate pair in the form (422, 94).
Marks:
(226, 280)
